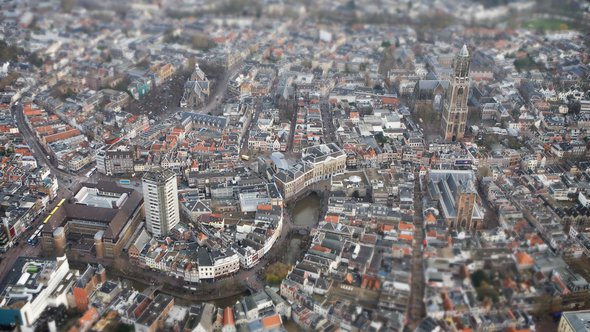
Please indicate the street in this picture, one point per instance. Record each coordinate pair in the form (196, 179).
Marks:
(257, 108)
(66, 180)
(9, 257)
(416, 308)
(329, 129)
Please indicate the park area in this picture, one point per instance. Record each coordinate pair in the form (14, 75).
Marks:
(546, 24)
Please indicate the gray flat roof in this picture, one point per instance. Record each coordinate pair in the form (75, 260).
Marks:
(579, 320)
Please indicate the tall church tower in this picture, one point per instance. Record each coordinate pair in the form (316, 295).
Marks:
(455, 110)
(464, 204)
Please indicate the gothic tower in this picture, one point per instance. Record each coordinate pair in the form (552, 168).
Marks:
(455, 110)
(465, 202)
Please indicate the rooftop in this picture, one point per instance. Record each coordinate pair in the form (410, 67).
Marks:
(96, 198)
(27, 278)
(579, 320)
(154, 310)
(159, 176)
(103, 202)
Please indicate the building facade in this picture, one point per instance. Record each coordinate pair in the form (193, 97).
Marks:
(455, 110)
(317, 163)
(100, 218)
(160, 192)
(115, 161)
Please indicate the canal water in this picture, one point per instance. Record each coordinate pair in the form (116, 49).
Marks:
(305, 213)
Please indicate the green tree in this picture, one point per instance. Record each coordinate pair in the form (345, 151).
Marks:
(8, 79)
(524, 64)
(35, 60)
(67, 5)
(574, 107)
(124, 328)
(8, 52)
(486, 291)
(276, 272)
(203, 43)
(483, 286)
(513, 143)
(478, 278)
(380, 138)
(191, 63)
(484, 171)
(122, 84)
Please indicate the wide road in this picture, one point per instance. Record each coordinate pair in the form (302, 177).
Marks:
(22, 249)
(65, 179)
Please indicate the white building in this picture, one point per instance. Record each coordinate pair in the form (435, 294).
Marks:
(32, 285)
(215, 263)
(160, 195)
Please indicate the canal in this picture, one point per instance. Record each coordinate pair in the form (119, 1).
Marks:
(306, 212)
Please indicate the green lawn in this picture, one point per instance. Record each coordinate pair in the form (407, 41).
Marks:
(546, 24)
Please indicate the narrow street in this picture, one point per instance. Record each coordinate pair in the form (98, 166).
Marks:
(329, 128)
(416, 309)
(256, 109)
(293, 120)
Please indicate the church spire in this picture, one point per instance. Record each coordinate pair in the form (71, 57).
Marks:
(462, 61)
(464, 52)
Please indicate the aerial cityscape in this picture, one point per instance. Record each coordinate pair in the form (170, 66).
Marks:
(295, 165)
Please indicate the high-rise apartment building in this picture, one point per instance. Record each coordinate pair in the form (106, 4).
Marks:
(160, 195)
(455, 109)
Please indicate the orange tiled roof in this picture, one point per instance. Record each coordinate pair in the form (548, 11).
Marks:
(430, 218)
(513, 329)
(332, 218)
(228, 317)
(89, 315)
(405, 226)
(271, 322)
(522, 258)
(320, 248)
(406, 237)
(28, 111)
(386, 228)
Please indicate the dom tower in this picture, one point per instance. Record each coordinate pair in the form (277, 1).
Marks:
(455, 110)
